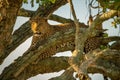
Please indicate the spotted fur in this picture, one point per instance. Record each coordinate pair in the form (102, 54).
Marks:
(92, 44)
(42, 30)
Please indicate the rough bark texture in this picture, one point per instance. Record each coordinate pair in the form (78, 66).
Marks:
(106, 62)
(7, 31)
(8, 11)
(49, 67)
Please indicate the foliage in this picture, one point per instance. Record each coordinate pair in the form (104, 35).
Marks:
(41, 2)
(102, 47)
(46, 2)
(116, 22)
(25, 1)
(105, 35)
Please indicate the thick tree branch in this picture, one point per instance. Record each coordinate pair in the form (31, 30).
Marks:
(54, 17)
(99, 20)
(110, 39)
(77, 55)
(116, 45)
(53, 64)
(7, 20)
(34, 53)
(106, 62)
(46, 11)
(67, 75)
(92, 32)
(59, 19)
(42, 11)
(25, 13)
(18, 37)
(89, 33)
(64, 20)
(22, 34)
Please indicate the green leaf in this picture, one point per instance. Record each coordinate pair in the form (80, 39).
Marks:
(117, 0)
(52, 1)
(102, 47)
(105, 35)
(25, 1)
(37, 1)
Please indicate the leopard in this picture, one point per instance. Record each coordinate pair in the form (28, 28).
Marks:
(43, 30)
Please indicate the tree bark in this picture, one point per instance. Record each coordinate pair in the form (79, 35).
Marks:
(67, 75)
(49, 65)
(8, 16)
(9, 40)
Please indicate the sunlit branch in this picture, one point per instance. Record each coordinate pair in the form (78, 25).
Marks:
(99, 20)
(95, 63)
(77, 55)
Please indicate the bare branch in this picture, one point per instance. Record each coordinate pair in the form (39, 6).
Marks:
(64, 20)
(110, 39)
